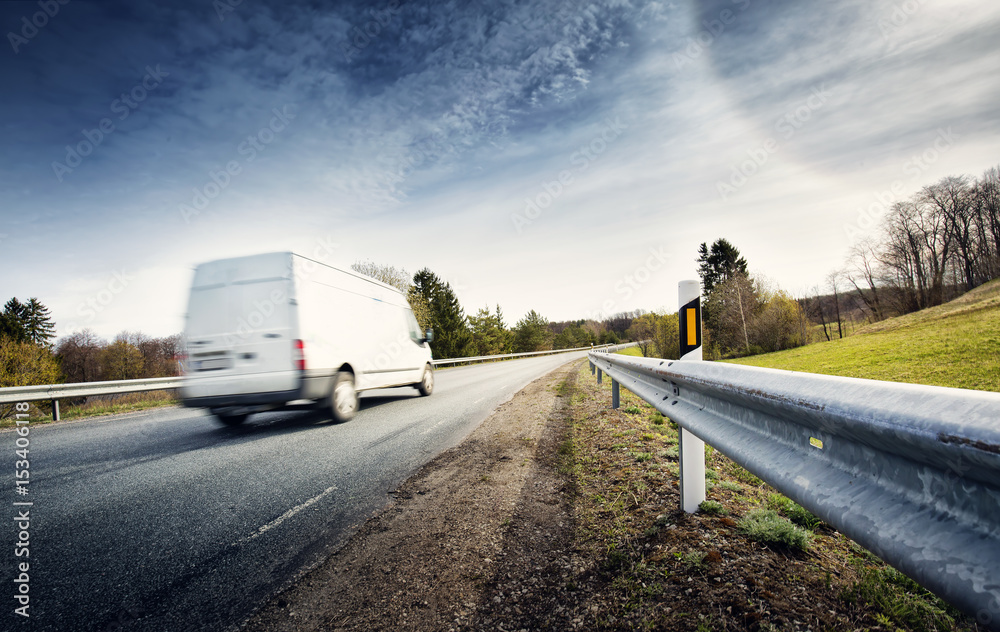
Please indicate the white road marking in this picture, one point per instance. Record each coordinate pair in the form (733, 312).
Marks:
(285, 516)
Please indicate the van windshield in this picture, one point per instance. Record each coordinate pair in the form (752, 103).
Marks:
(242, 308)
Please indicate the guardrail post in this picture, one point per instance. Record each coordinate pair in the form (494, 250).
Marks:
(592, 368)
(599, 375)
(55, 410)
(615, 398)
(690, 447)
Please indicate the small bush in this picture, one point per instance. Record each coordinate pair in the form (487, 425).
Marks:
(767, 526)
(713, 508)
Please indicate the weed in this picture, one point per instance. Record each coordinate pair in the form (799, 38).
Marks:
(902, 602)
(632, 410)
(731, 486)
(765, 525)
(672, 452)
(802, 516)
(693, 560)
(656, 418)
(642, 457)
(713, 508)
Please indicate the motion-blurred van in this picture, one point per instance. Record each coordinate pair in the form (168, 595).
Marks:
(279, 330)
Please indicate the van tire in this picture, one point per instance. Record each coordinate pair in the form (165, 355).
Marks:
(426, 385)
(343, 397)
(231, 420)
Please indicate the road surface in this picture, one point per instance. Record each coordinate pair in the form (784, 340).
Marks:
(166, 521)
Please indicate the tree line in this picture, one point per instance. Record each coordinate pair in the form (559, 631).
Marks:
(29, 356)
(458, 335)
(941, 242)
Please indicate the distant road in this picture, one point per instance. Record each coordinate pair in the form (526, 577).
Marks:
(166, 521)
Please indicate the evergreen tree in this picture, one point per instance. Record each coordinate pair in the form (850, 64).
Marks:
(719, 264)
(452, 338)
(13, 321)
(38, 325)
(532, 333)
(490, 335)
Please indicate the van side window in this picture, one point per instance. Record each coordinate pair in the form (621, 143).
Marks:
(415, 334)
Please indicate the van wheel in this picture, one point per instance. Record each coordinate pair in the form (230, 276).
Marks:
(231, 420)
(343, 398)
(426, 385)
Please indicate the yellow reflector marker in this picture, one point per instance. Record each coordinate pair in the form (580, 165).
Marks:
(816, 443)
(692, 327)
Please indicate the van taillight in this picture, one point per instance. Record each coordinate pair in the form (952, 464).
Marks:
(300, 355)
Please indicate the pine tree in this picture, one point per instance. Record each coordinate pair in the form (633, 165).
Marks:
(38, 325)
(452, 338)
(719, 264)
(13, 320)
(532, 333)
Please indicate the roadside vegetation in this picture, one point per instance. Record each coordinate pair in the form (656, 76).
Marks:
(956, 344)
(750, 559)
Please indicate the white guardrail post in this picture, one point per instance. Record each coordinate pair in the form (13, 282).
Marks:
(690, 447)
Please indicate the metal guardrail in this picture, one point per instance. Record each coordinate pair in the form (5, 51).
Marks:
(910, 472)
(55, 392)
(507, 356)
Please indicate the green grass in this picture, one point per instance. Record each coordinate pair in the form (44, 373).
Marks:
(631, 351)
(956, 344)
(765, 525)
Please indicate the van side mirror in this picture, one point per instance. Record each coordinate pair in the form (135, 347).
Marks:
(429, 335)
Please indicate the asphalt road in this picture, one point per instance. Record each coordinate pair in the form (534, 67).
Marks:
(165, 520)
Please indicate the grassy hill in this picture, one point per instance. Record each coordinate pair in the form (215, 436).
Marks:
(956, 344)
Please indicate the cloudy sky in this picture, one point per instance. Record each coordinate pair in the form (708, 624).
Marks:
(557, 155)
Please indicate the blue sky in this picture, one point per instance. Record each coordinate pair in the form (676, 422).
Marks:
(562, 156)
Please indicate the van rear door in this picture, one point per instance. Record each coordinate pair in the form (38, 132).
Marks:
(241, 333)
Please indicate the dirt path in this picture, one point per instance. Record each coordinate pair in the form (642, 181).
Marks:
(473, 523)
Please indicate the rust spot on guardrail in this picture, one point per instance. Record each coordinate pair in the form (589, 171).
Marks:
(979, 445)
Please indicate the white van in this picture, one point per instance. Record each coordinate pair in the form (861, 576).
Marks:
(269, 331)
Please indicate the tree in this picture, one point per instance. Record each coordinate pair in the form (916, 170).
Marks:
(532, 333)
(719, 264)
(666, 336)
(38, 325)
(452, 338)
(729, 311)
(13, 320)
(642, 331)
(490, 335)
(121, 360)
(24, 363)
(79, 356)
